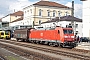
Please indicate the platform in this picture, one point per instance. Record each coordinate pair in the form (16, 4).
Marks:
(83, 45)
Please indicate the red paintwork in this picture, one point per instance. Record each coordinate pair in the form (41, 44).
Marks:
(50, 34)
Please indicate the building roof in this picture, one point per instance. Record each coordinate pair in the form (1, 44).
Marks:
(18, 13)
(19, 19)
(51, 4)
(64, 18)
(70, 18)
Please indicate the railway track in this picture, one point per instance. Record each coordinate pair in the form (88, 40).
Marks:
(73, 53)
(1, 58)
(39, 45)
(30, 55)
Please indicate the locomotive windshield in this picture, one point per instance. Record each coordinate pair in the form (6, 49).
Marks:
(6, 32)
(2, 33)
(68, 31)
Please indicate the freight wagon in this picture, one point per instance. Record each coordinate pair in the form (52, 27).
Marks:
(58, 36)
(22, 34)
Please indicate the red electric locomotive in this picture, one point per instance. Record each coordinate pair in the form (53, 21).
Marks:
(58, 36)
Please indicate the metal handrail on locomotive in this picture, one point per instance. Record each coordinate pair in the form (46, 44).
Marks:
(57, 36)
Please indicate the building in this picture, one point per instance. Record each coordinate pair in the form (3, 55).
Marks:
(64, 21)
(10, 18)
(86, 18)
(18, 24)
(43, 11)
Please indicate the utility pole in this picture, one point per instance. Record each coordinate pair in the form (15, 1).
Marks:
(73, 8)
(72, 21)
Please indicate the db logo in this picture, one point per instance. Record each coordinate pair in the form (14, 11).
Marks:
(41, 34)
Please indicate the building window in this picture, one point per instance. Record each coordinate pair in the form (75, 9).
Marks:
(16, 27)
(69, 24)
(48, 13)
(66, 13)
(31, 11)
(40, 12)
(15, 16)
(76, 25)
(27, 10)
(59, 14)
(39, 21)
(53, 13)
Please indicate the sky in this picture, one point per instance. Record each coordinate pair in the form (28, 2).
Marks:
(8, 6)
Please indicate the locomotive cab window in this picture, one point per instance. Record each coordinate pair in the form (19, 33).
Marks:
(7, 32)
(2, 33)
(65, 31)
(68, 31)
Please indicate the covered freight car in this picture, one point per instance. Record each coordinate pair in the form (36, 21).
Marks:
(22, 34)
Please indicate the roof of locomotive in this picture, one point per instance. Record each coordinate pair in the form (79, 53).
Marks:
(25, 29)
(51, 28)
(2, 31)
(48, 28)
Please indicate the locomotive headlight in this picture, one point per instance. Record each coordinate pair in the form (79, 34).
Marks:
(65, 36)
(72, 36)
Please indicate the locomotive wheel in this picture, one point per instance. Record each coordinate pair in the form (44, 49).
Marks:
(32, 41)
(53, 44)
(23, 40)
(50, 44)
(41, 42)
(27, 40)
(62, 45)
(17, 39)
(37, 42)
(56, 44)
